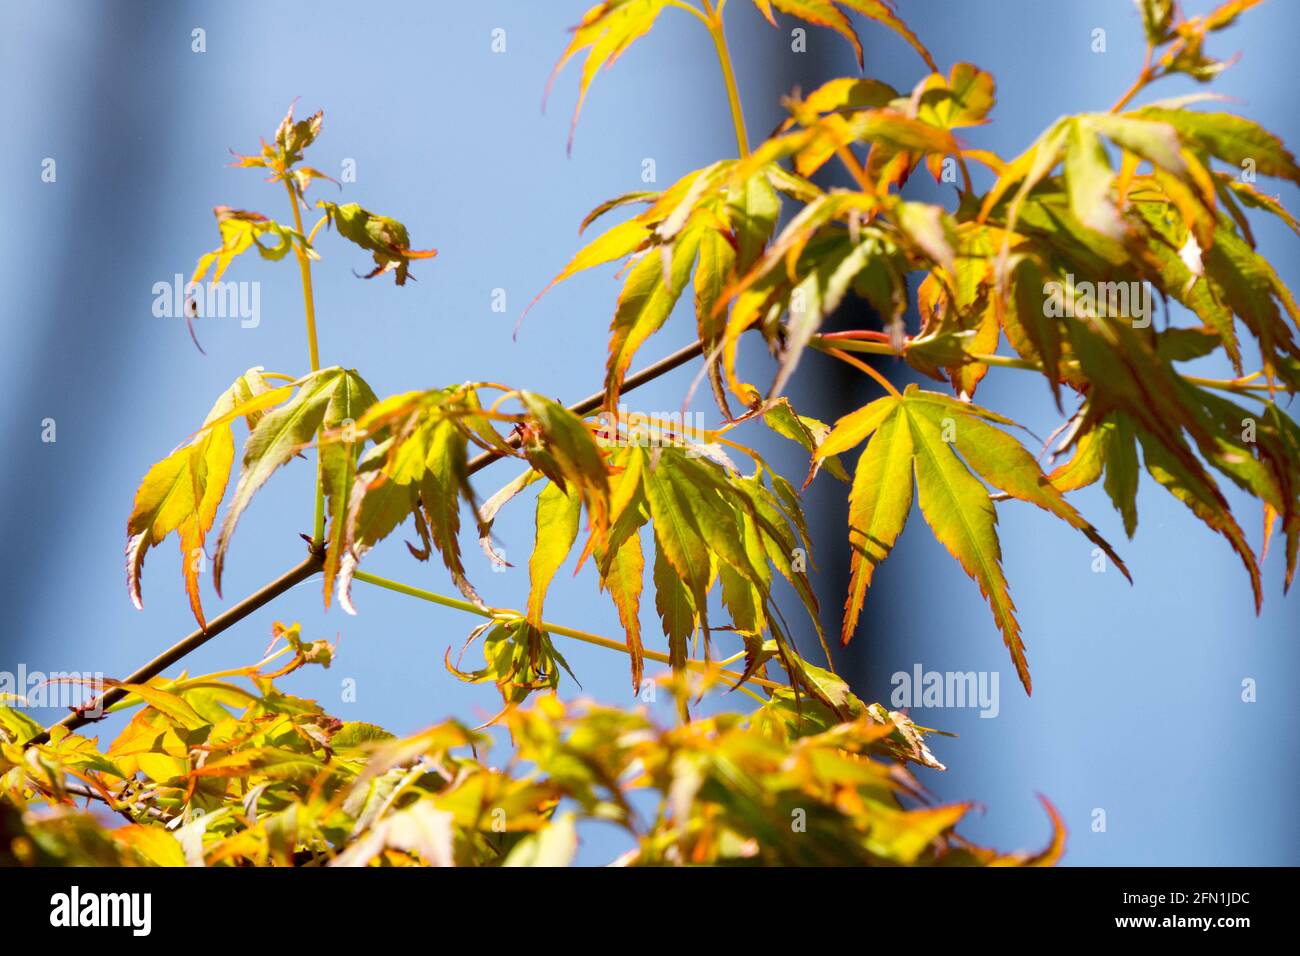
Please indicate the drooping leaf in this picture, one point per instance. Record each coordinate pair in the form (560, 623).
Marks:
(557, 529)
(419, 467)
(385, 239)
(325, 399)
(182, 492)
(675, 604)
(879, 502)
(624, 579)
(958, 510)
(939, 442)
(827, 13)
(242, 230)
(559, 444)
(653, 287)
(1005, 464)
(606, 31)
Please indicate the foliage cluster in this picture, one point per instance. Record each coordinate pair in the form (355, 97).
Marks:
(1156, 196)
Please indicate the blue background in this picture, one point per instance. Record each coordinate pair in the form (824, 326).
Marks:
(1137, 706)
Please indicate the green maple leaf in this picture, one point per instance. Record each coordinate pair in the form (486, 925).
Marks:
(943, 444)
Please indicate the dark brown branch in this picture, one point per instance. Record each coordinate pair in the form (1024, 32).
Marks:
(314, 562)
(197, 639)
(594, 401)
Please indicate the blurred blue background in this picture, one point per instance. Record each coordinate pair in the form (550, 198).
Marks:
(1137, 707)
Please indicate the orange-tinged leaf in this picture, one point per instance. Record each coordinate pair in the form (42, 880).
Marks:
(182, 492)
(823, 13)
(882, 12)
(606, 31)
(153, 844)
(961, 515)
(963, 98)
(1004, 463)
(1051, 854)
(624, 579)
(856, 426)
(652, 288)
(557, 528)
(240, 231)
(879, 503)
(827, 13)
(385, 239)
(615, 243)
(171, 705)
(324, 399)
(1086, 464)
(906, 835)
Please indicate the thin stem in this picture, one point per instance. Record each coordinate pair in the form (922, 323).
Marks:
(716, 30)
(693, 11)
(505, 614)
(313, 354)
(311, 236)
(430, 596)
(835, 341)
(885, 383)
(304, 267)
(873, 347)
(1240, 385)
(1143, 78)
(856, 169)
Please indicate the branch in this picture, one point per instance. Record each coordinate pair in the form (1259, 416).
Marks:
(596, 399)
(1144, 77)
(193, 642)
(314, 562)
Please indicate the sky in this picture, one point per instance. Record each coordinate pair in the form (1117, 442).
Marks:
(1137, 707)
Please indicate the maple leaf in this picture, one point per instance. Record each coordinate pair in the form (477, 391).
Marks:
(708, 227)
(418, 467)
(286, 146)
(385, 239)
(940, 442)
(609, 28)
(710, 525)
(242, 230)
(182, 492)
(323, 400)
(827, 13)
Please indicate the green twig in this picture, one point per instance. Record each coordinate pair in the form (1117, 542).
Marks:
(506, 614)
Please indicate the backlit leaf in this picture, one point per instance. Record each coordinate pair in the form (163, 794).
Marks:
(385, 239)
(182, 492)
